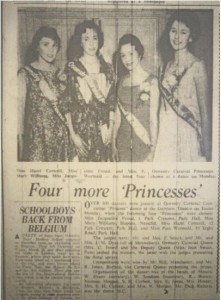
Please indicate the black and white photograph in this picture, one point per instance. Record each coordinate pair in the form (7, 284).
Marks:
(111, 163)
(115, 85)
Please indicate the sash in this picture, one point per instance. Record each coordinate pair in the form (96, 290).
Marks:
(95, 91)
(132, 120)
(180, 109)
(46, 91)
(137, 127)
(91, 83)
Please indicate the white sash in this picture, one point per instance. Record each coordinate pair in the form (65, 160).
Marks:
(138, 128)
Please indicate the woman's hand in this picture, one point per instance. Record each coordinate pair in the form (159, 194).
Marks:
(107, 134)
(80, 145)
(150, 155)
(109, 137)
(115, 155)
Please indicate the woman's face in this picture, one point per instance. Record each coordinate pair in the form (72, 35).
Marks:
(89, 42)
(180, 36)
(47, 49)
(129, 56)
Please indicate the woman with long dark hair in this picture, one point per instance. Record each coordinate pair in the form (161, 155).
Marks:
(138, 103)
(90, 101)
(184, 119)
(42, 130)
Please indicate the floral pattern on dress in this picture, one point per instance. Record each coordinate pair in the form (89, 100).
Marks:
(46, 137)
(87, 118)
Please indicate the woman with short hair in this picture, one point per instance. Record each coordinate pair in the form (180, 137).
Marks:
(42, 130)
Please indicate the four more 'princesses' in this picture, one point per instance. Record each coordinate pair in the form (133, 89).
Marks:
(42, 133)
(138, 105)
(82, 104)
(90, 101)
(184, 121)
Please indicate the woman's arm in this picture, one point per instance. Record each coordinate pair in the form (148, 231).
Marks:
(154, 110)
(203, 97)
(22, 90)
(111, 103)
(116, 126)
(80, 145)
(66, 107)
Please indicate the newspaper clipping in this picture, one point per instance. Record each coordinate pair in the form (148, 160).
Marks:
(110, 150)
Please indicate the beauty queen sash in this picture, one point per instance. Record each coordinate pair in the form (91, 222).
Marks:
(138, 128)
(180, 109)
(90, 82)
(95, 91)
(46, 91)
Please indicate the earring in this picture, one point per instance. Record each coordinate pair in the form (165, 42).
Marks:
(190, 40)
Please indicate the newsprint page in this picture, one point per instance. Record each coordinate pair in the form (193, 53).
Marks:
(110, 150)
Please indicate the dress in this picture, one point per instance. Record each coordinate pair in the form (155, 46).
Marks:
(177, 139)
(46, 137)
(89, 114)
(130, 147)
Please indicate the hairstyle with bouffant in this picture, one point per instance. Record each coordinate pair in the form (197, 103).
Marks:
(44, 31)
(75, 49)
(126, 39)
(191, 20)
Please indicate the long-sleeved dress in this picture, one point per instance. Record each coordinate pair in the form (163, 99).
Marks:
(89, 115)
(45, 135)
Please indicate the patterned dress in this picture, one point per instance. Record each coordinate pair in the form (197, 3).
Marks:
(130, 147)
(46, 137)
(177, 139)
(89, 115)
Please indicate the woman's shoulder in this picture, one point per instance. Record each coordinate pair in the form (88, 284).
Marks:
(22, 71)
(195, 62)
(27, 72)
(199, 64)
(75, 68)
(106, 68)
(198, 68)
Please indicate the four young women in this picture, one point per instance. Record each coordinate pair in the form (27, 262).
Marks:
(87, 114)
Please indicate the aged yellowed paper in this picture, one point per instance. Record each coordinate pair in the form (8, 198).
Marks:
(110, 150)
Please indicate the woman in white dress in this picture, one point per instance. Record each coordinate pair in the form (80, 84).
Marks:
(184, 119)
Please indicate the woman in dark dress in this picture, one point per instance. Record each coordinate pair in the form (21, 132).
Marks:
(42, 132)
(90, 101)
(138, 105)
